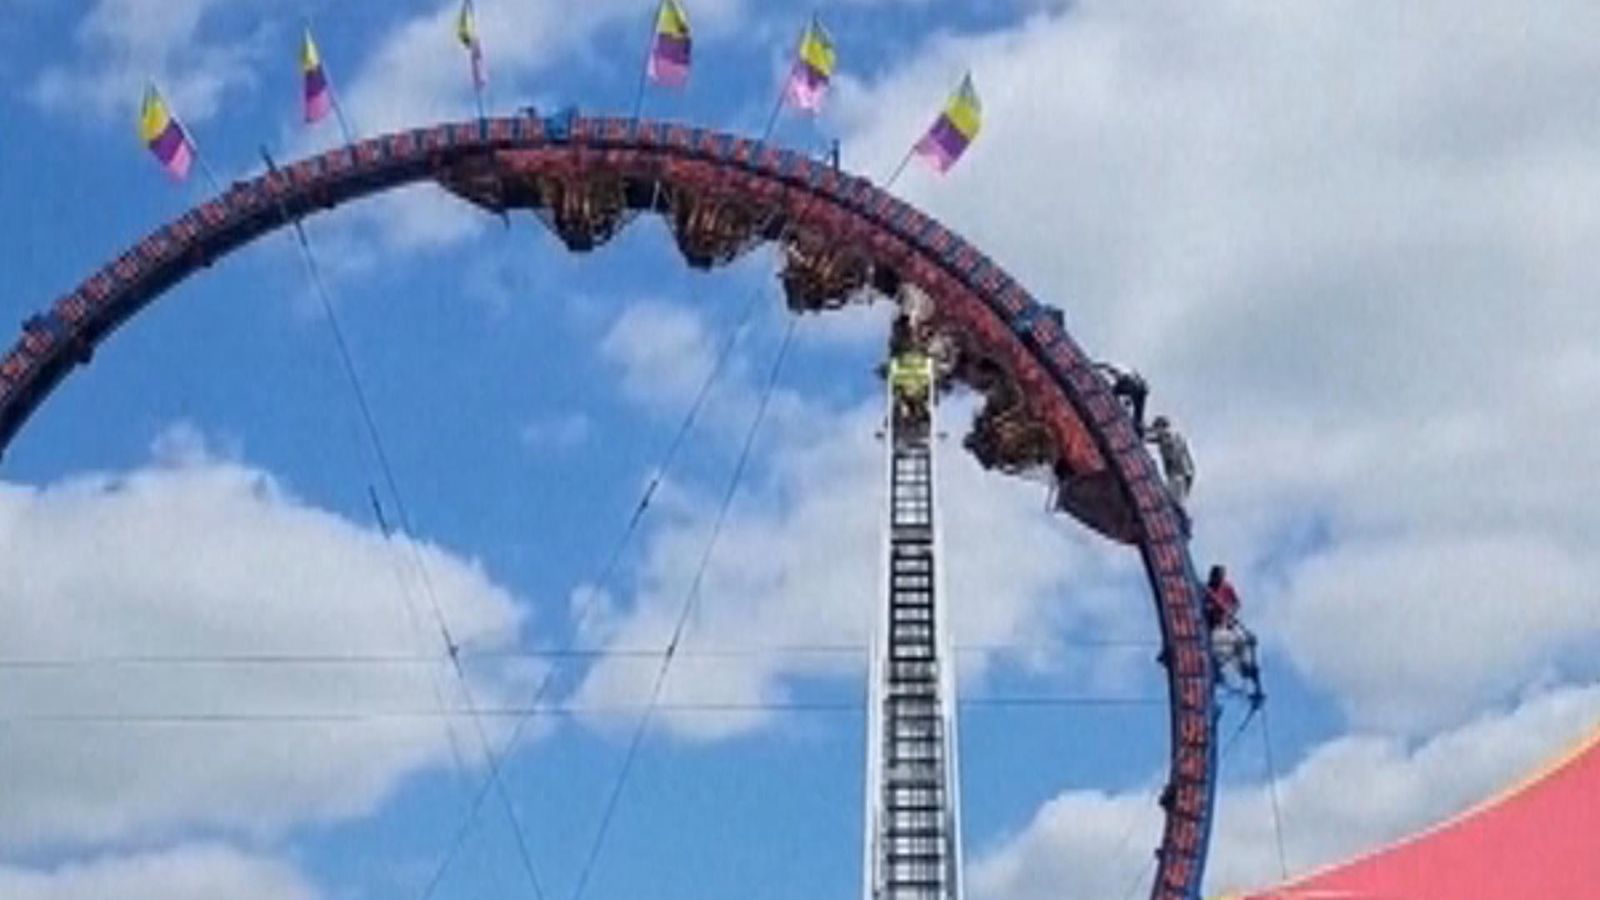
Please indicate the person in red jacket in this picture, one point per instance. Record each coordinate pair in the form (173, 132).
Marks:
(1231, 642)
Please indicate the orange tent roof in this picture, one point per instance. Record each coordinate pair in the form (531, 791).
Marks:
(1540, 839)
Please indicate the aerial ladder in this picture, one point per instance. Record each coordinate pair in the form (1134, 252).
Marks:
(913, 839)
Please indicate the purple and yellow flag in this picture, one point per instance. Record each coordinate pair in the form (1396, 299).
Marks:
(319, 93)
(955, 129)
(467, 34)
(161, 131)
(670, 46)
(813, 69)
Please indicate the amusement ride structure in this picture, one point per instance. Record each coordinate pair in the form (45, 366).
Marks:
(841, 239)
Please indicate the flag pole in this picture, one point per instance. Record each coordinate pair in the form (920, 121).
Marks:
(338, 113)
(188, 138)
(477, 92)
(777, 110)
(205, 167)
(333, 96)
(644, 67)
(904, 161)
(783, 91)
(472, 40)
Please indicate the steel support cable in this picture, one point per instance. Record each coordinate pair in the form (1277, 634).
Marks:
(724, 354)
(684, 613)
(356, 659)
(267, 717)
(313, 270)
(375, 437)
(607, 570)
(1272, 791)
(456, 756)
(1146, 872)
(1122, 845)
(1134, 821)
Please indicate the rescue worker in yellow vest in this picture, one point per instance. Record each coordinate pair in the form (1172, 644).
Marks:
(911, 379)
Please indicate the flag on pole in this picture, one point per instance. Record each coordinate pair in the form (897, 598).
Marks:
(670, 46)
(161, 131)
(813, 69)
(319, 93)
(955, 129)
(467, 33)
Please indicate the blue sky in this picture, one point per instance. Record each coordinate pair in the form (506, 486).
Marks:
(1350, 251)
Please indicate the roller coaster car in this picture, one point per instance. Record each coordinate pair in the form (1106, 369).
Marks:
(482, 182)
(1007, 436)
(818, 275)
(712, 230)
(1096, 500)
(584, 212)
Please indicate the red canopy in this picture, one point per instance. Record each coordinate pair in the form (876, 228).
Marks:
(1540, 840)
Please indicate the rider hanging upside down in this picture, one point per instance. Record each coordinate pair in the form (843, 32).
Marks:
(1232, 644)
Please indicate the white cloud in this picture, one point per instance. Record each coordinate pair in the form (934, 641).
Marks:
(1415, 633)
(1099, 844)
(199, 871)
(797, 563)
(193, 872)
(559, 433)
(664, 353)
(121, 44)
(1350, 250)
(198, 556)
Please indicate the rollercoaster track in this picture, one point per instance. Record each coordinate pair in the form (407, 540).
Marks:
(567, 164)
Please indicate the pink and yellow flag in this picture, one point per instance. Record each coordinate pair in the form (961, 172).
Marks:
(670, 46)
(467, 34)
(161, 131)
(318, 92)
(955, 129)
(813, 69)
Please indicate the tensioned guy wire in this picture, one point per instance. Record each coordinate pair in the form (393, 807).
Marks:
(690, 596)
(375, 436)
(604, 578)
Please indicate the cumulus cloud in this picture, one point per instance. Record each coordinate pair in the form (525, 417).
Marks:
(121, 44)
(1348, 249)
(193, 872)
(797, 562)
(1414, 633)
(197, 558)
(564, 432)
(1099, 843)
(663, 352)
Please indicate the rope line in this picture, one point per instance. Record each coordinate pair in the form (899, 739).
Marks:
(1138, 818)
(684, 613)
(185, 660)
(457, 758)
(724, 354)
(1272, 790)
(604, 576)
(554, 711)
(1146, 872)
(380, 451)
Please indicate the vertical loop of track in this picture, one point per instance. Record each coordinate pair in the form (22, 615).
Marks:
(969, 288)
